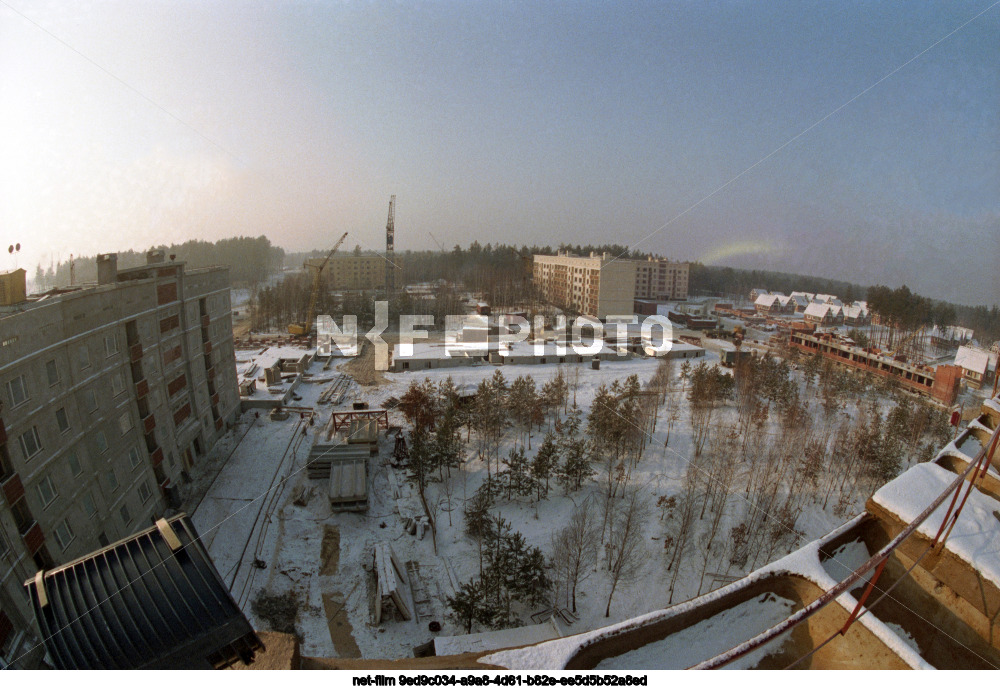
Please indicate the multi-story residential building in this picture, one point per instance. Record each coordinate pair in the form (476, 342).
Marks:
(593, 285)
(110, 393)
(661, 279)
(358, 272)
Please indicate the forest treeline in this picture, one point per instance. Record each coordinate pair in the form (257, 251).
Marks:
(502, 273)
(250, 260)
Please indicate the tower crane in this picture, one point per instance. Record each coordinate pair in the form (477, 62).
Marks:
(316, 266)
(390, 248)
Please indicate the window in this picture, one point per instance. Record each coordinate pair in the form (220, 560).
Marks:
(133, 457)
(30, 443)
(46, 492)
(91, 398)
(144, 492)
(112, 479)
(73, 461)
(125, 423)
(62, 420)
(52, 371)
(89, 505)
(64, 534)
(17, 388)
(102, 442)
(83, 357)
(117, 384)
(126, 518)
(110, 344)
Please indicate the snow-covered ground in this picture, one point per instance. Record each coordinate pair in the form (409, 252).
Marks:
(250, 512)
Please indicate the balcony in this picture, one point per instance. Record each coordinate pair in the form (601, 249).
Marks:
(33, 538)
(208, 346)
(218, 425)
(205, 321)
(210, 373)
(142, 389)
(135, 353)
(3, 433)
(13, 489)
(215, 399)
(149, 423)
(156, 456)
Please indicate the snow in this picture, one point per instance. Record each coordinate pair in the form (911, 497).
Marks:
(846, 559)
(496, 639)
(975, 360)
(711, 636)
(287, 537)
(976, 535)
(805, 562)
(902, 634)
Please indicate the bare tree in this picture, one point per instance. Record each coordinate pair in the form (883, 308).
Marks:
(683, 517)
(626, 554)
(574, 549)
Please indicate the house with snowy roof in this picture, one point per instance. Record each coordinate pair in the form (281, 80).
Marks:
(978, 366)
(757, 292)
(774, 304)
(800, 301)
(823, 314)
(951, 335)
(855, 315)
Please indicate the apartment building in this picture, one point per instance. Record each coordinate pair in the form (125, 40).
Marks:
(602, 285)
(596, 285)
(109, 393)
(358, 272)
(661, 279)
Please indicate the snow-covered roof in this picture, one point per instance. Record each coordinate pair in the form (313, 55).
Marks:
(824, 298)
(974, 359)
(854, 311)
(808, 295)
(769, 300)
(817, 309)
(800, 299)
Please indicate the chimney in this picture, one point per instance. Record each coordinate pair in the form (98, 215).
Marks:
(107, 268)
(154, 256)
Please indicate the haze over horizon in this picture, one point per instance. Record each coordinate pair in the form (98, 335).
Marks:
(129, 124)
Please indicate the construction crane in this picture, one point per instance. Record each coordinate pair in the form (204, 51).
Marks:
(901, 346)
(316, 266)
(390, 248)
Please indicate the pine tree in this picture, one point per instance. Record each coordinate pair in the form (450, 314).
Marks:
(544, 464)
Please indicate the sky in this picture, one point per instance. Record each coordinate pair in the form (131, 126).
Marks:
(850, 140)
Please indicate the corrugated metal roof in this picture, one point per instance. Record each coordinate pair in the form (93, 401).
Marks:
(153, 600)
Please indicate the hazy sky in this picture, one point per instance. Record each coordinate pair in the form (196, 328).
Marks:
(125, 124)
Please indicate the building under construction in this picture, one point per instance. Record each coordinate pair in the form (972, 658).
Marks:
(940, 383)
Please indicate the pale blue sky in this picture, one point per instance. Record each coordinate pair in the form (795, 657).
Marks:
(524, 122)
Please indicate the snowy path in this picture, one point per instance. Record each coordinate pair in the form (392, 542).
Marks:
(227, 518)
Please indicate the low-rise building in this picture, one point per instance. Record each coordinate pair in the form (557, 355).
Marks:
(978, 366)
